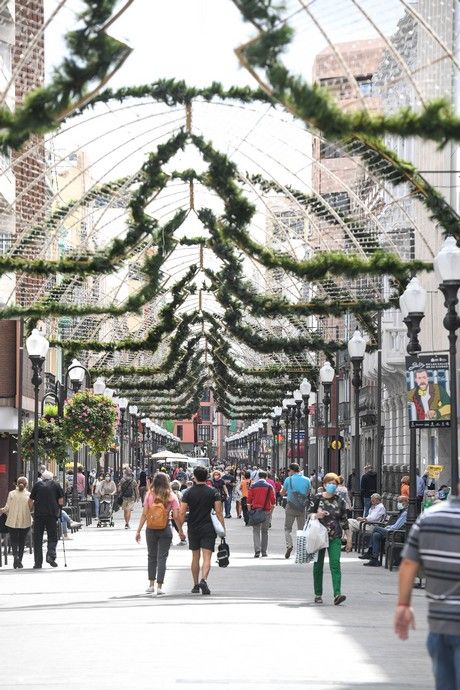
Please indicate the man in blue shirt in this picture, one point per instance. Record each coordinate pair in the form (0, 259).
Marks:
(379, 534)
(297, 489)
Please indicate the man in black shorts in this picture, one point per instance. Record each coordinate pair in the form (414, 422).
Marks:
(199, 500)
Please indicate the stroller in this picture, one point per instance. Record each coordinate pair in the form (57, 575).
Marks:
(106, 512)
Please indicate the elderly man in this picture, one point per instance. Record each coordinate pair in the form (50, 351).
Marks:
(380, 533)
(376, 515)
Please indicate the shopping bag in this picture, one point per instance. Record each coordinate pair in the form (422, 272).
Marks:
(219, 530)
(301, 554)
(317, 537)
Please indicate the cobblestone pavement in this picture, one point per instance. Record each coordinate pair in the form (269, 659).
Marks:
(91, 626)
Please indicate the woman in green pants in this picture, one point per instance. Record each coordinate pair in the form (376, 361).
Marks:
(331, 510)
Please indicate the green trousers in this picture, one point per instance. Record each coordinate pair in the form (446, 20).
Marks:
(334, 550)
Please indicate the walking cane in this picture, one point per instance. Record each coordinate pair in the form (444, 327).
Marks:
(62, 537)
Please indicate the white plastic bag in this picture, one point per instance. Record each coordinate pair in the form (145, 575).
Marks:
(316, 536)
(219, 530)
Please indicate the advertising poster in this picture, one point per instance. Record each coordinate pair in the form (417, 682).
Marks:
(428, 395)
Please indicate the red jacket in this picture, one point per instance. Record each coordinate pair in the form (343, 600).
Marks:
(261, 495)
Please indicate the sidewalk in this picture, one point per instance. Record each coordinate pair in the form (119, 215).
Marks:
(91, 626)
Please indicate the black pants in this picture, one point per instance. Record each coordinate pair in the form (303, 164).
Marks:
(18, 539)
(42, 522)
(244, 506)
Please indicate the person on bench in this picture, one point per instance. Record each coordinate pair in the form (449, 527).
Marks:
(376, 514)
(380, 533)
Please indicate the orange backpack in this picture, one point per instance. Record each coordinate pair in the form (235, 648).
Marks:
(157, 515)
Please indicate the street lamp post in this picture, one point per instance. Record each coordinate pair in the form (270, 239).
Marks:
(276, 415)
(123, 405)
(132, 409)
(292, 407)
(412, 305)
(447, 269)
(326, 375)
(286, 415)
(76, 373)
(298, 416)
(356, 350)
(37, 347)
(305, 389)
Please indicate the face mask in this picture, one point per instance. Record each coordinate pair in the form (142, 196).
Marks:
(400, 506)
(108, 477)
(331, 488)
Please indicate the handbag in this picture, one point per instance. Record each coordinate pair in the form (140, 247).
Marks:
(3, 527)
(216, 523)
(223, 554)
(301, 552)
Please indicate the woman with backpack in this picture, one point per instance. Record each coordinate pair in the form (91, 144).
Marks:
(159, 503)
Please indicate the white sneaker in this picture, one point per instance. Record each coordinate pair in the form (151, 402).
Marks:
(150, 590)
(160, 592)
(66, 537)
(74, 525)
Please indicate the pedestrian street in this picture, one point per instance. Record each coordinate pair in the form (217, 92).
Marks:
(90, 625)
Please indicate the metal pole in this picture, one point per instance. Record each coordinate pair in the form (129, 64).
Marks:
(326, 401)
(299, 419)
(37, 363)
(292, 433)
(287, 438)
(451, 323)
(19, 403)
(306, 440)
(379, 438)
(356, 382)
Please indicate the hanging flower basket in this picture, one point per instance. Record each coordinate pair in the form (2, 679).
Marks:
(89, 419)
(52, 441)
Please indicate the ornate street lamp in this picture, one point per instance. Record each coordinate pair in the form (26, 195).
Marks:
(122, 404)
(298, 417)
(76, 373)
(447, 269)
(37, 347)
(356, 350)
(326, 376)
(412, 305)
(99, 386)
(132, 409)
(305, 389)
(291, 408)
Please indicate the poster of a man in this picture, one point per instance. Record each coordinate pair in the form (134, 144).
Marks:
(427, 395)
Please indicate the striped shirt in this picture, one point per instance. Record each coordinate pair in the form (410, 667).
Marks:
(434, 542)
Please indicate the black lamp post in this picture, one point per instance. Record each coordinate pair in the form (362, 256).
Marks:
(305, 389)
(412, 305)
(298, 418)
(76, 374)
(326, 375)
(286, 416)
(447, 269)
(132, 435)
(356, 350)
(123, 405)
(37, 347)
(276, 416)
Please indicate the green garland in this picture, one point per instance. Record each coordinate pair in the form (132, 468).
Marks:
(437, 122)
(93, 55)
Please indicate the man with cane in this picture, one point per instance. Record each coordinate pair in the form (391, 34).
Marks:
(46, 500)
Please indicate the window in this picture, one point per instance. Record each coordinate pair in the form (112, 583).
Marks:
(180, 431)
(365, 85)
(206, 397)
(327, 150)
(205, 412)
(340, 201)
(204, 432)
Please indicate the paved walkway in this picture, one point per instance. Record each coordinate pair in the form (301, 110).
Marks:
(91, 626)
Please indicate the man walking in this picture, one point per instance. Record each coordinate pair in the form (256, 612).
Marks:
(261, 495)
(46, 500)
(297, 489)
(368, 487)
(229, 481)
(129, 493)
(433, 544)
(199, 500)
